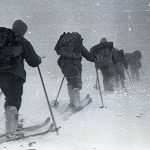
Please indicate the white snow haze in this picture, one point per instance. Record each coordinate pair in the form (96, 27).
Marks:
(125, 122)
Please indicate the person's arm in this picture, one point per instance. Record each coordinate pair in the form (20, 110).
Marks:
(94, 51)
(86, 54)
(30, 55)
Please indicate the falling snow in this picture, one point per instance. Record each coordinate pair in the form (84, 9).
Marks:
(124, 124)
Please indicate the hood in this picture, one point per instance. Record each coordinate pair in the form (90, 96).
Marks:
(19, 27)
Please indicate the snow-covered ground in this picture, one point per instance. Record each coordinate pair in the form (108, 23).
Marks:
(122, 125)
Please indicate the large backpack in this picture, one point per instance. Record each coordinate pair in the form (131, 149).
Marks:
(137, 54)
(104, 55)
(118, 56)
(69, 45)
(10, 49)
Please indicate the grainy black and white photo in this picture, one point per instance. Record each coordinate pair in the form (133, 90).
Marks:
(75, 74)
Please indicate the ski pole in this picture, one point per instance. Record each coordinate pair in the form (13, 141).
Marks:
(49, 106)
(122, 83)
(100, 92)
(55, 102)
(128, 75)
(96, 83)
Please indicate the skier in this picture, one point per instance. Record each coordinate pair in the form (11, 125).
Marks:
(119, 63)
(134, 62)
(13, 75)
(102, 53)
(71, 51)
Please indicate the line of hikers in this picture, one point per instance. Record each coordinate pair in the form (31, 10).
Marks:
(14, 49)
(109, 60)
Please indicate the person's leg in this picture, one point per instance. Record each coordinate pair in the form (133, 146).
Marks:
(11, 116)
(73, 76)
(12, 87)
(116, 77)
(108, 80)
(133, 73)
(70, 95)
(122, 77)
(76, 83)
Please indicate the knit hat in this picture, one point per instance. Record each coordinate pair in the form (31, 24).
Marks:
(103, 40)
(19, 27)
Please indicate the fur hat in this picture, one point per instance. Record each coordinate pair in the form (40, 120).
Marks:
(19, 27)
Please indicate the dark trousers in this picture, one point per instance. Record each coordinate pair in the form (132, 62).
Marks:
(135, 75)
(119, 75)
(12, 87)
(73, 75)
(108, 77)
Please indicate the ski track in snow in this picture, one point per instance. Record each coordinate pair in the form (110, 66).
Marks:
(122, 125)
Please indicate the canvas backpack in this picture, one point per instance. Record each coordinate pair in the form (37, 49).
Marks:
(104, 56)
(69, 45)
(137, 54)
(10, 49)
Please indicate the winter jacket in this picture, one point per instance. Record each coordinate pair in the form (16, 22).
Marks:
(29, 55)
(103, 55)
(76, 61)
(132, 61)
(118, 57)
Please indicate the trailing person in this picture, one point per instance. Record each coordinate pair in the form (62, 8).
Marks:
(14, 49)
(71, 50)
(102, 52)
(134, 63)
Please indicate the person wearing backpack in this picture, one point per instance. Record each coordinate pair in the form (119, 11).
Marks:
(103, 55)
(71, 51)
(134, 62)
(119, 64)
(13, 52)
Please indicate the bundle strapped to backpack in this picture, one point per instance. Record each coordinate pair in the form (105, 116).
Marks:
(10, 49)
(69, 45)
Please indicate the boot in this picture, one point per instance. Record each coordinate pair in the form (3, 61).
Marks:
(71, 104)
(76, 99)
(11, 119)
(11, 124)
